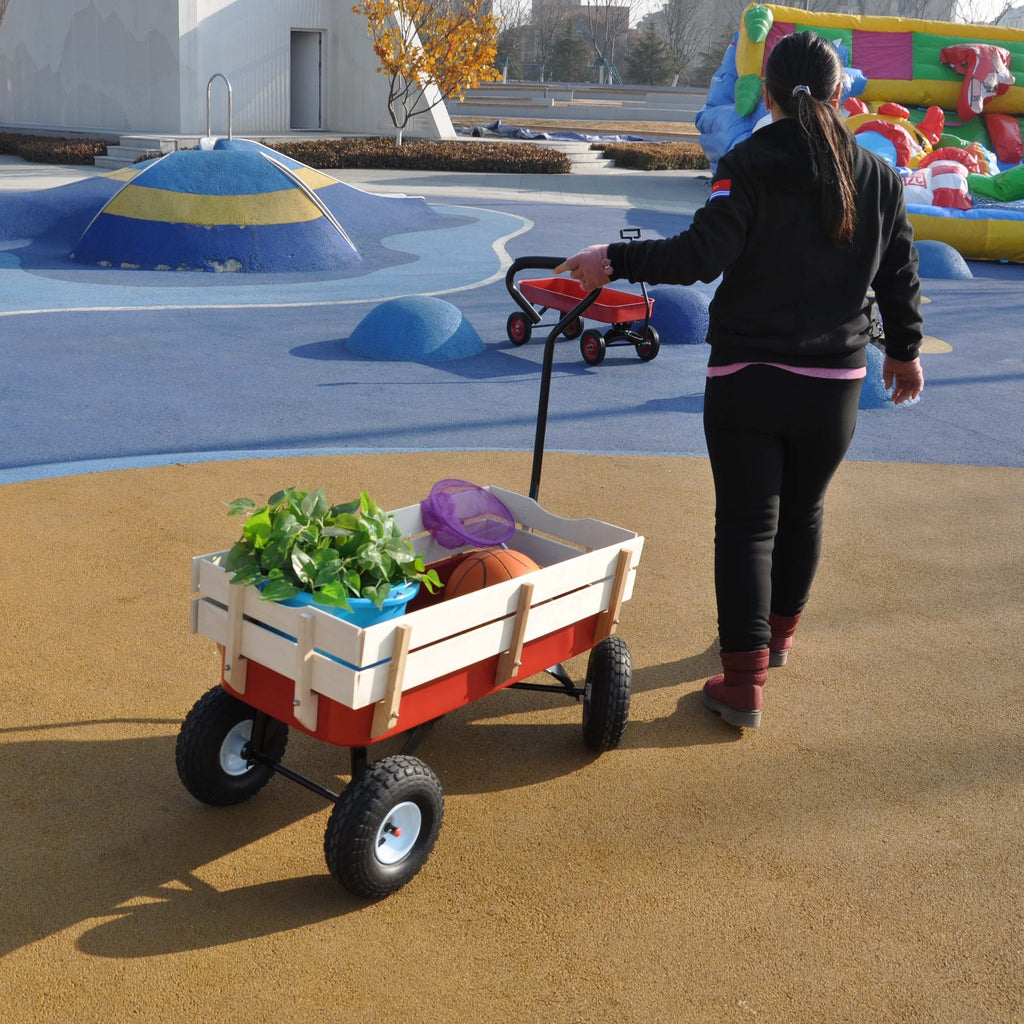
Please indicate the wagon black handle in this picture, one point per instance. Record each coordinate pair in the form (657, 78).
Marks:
(543, 263)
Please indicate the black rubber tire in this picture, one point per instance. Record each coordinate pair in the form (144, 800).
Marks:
(593, 347)
(519, 328)
(209, 751)
(606, 694)
(574, 328)
(356, 838)
(649, 345)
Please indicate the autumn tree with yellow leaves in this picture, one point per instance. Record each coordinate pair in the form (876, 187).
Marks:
(429, 51)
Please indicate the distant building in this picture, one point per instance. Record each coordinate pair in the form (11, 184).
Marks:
(122, 66)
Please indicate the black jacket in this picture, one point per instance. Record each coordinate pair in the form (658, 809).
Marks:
(789, 295)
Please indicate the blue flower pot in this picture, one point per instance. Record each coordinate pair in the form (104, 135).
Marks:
(364, 612)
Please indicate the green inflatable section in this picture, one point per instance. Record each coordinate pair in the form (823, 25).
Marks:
(927, 60)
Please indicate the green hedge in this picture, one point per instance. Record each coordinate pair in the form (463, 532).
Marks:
(655, 156)
(383, 154)
(49, 149)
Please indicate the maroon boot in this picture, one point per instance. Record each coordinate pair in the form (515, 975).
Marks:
(783, 627)
(736, 694)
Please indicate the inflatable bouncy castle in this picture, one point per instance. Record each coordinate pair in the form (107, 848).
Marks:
(938, 100)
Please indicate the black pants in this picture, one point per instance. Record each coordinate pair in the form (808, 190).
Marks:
(775, 440)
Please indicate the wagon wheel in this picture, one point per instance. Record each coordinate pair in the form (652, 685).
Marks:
(574, 328)
(592, 347)
(383, 828)
(649, 345)
(212, 752)
(606, 694)
(519, 328)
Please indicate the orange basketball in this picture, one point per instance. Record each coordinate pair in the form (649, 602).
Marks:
(481, 569)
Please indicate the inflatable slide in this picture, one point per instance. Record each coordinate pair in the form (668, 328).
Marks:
(938, 100)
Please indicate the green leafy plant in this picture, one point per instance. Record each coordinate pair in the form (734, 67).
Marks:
(296, 542)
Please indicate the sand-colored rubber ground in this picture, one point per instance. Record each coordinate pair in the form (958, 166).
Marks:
(856, 859)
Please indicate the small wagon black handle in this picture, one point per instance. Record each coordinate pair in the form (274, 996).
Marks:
(543, 263)
(528, 263)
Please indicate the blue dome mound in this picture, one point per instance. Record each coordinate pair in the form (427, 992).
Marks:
(942, 262)
(416, 328)
(680, 314)
(218, 210)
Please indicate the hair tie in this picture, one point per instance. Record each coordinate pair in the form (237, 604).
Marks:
(802, 88)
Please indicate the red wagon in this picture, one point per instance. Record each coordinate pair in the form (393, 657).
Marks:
(622, 310)
(301, 668)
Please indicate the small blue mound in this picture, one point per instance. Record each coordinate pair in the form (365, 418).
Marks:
(416, 328)
(873, 394)
(941, 261)
(680, 315)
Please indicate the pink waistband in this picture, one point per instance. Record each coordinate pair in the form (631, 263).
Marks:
(804, 371)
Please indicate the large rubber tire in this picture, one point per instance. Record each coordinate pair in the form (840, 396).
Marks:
(606, 694)
(211, 752)
(649, 345)
(593, 347)
(519, 328)
(383, 828)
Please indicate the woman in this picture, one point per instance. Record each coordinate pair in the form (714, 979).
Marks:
(801, 222)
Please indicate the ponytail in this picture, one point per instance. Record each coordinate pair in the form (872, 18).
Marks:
(802, 76)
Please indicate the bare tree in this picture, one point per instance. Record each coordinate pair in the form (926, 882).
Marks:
(546, 25)
(976, 12)
(687, 28)
(607, 22)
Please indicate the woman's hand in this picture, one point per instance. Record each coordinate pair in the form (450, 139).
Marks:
(905, 378)
(589, 266)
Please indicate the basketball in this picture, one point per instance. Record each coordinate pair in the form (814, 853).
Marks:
(481, 569)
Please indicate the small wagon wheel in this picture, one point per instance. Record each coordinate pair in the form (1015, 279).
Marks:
(384, 826)
(649, 344)
(574, 328)
(593, 347)
(213, 751)
(519, 328)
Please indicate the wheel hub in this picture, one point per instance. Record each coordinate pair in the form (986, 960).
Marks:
(234, 751)
(398, 832)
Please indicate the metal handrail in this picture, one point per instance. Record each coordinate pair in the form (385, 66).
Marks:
(209, 89)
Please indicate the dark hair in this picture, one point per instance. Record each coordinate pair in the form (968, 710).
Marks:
(802, 75)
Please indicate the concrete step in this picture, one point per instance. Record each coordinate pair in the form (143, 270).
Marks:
(132, 148)
(583, 158)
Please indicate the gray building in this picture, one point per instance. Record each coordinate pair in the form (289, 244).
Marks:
(120, 66)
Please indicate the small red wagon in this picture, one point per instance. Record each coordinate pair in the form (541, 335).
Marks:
(622, 310)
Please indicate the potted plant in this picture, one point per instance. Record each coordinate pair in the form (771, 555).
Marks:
(350, 558)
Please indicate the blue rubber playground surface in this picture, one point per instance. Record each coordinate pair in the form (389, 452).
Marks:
(111, 368)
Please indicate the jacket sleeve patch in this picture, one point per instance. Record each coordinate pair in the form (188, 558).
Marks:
(720, 189)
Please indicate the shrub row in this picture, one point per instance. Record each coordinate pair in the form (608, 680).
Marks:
(414, 155)
(418, 155)
(655, 156)
(49, 149)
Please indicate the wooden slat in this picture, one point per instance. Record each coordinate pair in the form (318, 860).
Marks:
(306, 701)
(234, 662)
(512, 658)
(608, 621)
(385, 714)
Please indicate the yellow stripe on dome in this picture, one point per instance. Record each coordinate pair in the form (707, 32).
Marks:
(122, 174)
(313, 178)
(287, 206)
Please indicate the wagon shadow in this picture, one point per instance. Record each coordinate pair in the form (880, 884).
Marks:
(92, 824)
(204, 918)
